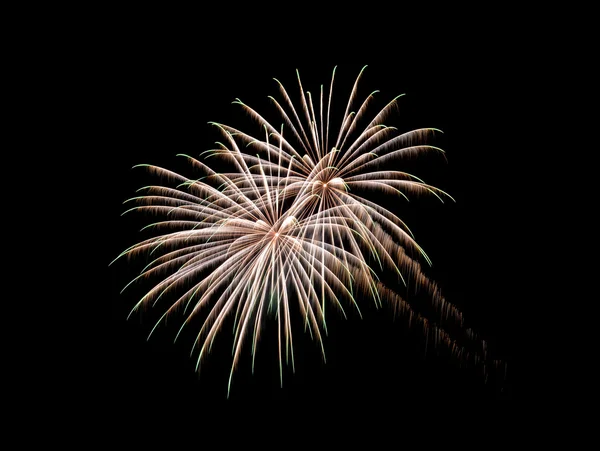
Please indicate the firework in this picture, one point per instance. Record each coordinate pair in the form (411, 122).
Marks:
(342, 168)
(241, 251)
(290, 223)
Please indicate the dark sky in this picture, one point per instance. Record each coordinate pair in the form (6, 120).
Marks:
(163, 99)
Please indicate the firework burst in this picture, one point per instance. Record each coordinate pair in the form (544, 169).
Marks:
(343, 168)
(289, 224)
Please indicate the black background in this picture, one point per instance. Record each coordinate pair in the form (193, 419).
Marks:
(161, 100)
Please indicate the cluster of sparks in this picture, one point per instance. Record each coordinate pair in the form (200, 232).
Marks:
(288, 229)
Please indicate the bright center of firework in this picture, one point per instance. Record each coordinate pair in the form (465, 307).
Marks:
(276, 234)
(325, 185)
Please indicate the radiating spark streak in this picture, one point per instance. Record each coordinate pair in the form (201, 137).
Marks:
(349, 105)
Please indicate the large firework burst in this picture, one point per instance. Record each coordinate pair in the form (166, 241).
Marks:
(289, 224)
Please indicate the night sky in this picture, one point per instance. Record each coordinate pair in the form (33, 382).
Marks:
(163, 101)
